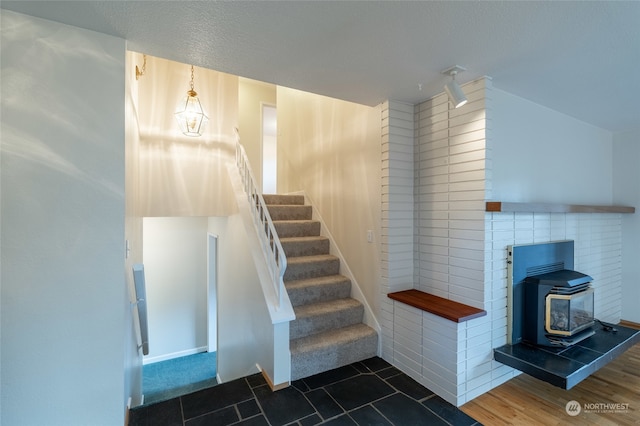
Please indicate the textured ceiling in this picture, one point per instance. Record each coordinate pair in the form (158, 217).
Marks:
(579, 58)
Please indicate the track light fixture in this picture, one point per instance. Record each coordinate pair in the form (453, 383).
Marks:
(453, 89)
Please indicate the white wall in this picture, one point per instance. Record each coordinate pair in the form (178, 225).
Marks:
(175, 264)
(583, 173)
(626, 191)
(133, 235)
(175, 256)
(540, 155)
(245, 334)
(63, 209)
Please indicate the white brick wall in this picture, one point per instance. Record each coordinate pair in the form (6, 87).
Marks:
(458, 251)
(449, 193)
(449, 190)
(397, 217)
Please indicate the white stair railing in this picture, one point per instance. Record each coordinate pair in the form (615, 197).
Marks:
(271, 247)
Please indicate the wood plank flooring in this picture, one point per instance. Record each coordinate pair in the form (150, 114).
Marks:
(525, 400)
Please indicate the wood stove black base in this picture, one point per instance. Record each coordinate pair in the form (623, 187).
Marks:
(566, 367)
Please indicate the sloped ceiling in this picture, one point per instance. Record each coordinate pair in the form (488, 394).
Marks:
(579, 58)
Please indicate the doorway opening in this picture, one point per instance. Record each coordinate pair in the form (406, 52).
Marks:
(269, 149)
(180, 258)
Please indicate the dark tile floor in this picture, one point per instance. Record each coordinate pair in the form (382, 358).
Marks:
(371, 392)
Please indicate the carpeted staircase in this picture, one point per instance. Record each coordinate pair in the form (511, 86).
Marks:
(328, 331)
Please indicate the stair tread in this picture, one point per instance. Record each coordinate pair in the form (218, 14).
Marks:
(301, 267)
(310, 259)
(331, 337)
(326, 307)
(318, 289)
(277, 199)
(303, 239)
(309, 282)
(305, 246)
(297, 228)
(294, 221)
(290, 212)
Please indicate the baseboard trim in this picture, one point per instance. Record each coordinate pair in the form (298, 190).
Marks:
(273, 387)
(150, 360)
(127, 412)
(630, 324)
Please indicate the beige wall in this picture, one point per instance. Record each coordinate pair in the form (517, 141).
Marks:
(252, 95)
(182, 175)
(331, 150)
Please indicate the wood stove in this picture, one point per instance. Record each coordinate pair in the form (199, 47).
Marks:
(558, 308)
(549, 302)
(552, 352)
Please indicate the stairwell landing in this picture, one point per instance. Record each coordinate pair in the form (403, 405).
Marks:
(328, 331)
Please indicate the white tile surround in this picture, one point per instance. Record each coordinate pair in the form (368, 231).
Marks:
(438, 238)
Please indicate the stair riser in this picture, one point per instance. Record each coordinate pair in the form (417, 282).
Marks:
(310, 363)
(292, 229)
(308, 326)
(283, 199)
(278, 212)
(305, 248)
(319, 293)
(302, 271)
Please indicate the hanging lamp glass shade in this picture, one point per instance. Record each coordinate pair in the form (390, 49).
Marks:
(189, 114)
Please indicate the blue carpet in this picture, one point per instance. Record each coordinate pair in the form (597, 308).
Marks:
(179, 376)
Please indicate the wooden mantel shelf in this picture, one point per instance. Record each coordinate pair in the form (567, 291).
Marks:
(436, 305)
(501, 206)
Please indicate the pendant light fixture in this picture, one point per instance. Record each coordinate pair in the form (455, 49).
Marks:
(453, 89)
(189, 114)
